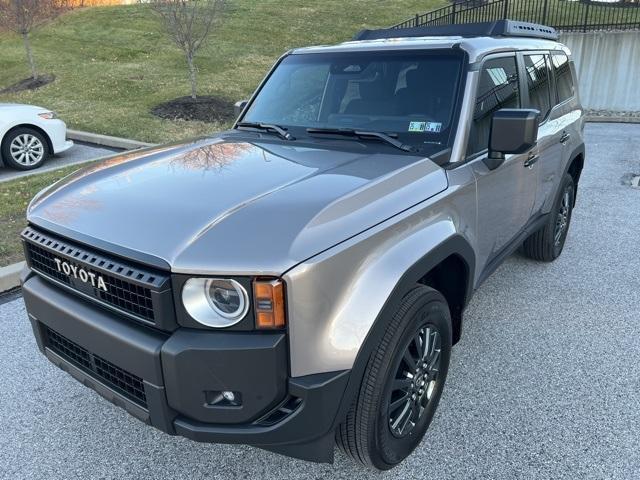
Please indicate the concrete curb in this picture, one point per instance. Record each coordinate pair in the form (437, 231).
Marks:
(10, 276)
(597, 119)
(106, 140)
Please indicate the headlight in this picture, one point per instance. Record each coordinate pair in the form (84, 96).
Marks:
(215, 302)
(48, 115)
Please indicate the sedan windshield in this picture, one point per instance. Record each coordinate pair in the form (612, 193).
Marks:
(408, 95)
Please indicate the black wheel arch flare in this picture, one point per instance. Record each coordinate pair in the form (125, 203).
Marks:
(577, 155)
(455, 245)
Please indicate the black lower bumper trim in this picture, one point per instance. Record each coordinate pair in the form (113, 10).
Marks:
(162, 418)
(306, 434)
(134, 348)
(116, 378)
(291, 416)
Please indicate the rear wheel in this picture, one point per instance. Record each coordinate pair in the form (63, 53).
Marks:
(24, 149)
(402, 383)
(547, 243)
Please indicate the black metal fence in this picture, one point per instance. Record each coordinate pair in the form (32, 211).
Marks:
(563, 15)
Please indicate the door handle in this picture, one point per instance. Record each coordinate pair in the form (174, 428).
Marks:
(533, 158)
(565, 137)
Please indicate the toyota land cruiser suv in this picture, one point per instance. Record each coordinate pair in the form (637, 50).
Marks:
(299, 280)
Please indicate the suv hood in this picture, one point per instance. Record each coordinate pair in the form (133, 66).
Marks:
(219, 205)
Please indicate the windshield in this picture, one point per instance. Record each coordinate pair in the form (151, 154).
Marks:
(410, 95)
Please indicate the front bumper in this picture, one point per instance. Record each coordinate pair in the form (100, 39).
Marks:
(63, 147)
(56, 129)
(169, 380)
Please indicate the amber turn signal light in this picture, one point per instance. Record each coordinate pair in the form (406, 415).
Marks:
(269, 303)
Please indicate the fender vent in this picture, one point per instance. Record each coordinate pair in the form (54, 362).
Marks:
(281, 412)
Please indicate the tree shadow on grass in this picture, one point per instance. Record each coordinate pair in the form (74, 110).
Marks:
(29, 84)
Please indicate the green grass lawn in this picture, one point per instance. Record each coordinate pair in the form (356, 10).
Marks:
(113, 64)
(15, 195)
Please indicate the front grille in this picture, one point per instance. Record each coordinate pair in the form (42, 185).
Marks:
(116, 378)
(43, 261)
(133, 290)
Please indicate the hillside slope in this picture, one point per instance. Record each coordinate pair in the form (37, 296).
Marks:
(113, 64)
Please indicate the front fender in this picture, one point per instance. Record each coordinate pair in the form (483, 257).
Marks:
(336, 297)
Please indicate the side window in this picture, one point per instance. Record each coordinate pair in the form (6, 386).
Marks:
(564, 78)
(498, 88)
(538, 83)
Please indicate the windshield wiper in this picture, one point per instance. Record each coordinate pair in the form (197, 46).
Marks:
(362, 134)
(267, 127)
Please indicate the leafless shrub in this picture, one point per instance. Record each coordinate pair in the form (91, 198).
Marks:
(189, 23)
(24, 16)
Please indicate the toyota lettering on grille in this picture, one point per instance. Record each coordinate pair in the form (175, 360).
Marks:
(81, 274)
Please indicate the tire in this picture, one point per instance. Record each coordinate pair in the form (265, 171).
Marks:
(24, 149)
(546, 244)
(372, 433)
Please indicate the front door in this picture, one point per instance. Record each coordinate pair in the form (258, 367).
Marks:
(506, 195)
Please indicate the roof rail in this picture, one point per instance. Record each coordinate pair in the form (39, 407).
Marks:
(500, 28)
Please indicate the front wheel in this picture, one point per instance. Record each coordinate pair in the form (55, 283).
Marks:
(547, 243)
(24, 149)
(402, 383)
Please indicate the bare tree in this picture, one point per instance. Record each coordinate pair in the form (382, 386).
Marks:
(24, 16)
(189, 23)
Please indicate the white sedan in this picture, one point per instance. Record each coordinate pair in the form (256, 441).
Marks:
(29, 135)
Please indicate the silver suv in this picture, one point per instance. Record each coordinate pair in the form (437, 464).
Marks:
(299, 280)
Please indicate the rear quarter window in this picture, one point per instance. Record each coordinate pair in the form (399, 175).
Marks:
(538, 83)
(564, 77)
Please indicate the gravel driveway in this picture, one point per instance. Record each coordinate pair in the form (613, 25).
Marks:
(545, 383)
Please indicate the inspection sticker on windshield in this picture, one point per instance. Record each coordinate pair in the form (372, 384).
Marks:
(417, 126)
(430, 127)
(433, 127)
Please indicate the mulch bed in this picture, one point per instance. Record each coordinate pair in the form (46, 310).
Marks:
(205, 109)
(29, 84)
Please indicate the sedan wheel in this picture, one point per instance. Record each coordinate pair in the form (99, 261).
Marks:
(24, 149)
(27, 149)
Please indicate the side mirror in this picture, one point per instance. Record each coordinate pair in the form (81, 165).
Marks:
(513, 131)
(238, 107)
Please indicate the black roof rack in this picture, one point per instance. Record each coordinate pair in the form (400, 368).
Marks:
(500, 28)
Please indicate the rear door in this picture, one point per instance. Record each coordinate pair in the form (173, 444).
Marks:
(567, 119)
(507, 194)
(539, 93)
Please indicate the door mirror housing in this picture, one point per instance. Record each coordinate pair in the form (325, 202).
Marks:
(238, 107)
(513, 131)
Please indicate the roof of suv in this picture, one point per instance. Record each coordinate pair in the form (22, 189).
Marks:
(476, 47)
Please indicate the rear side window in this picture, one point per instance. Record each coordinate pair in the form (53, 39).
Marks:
(564, 79)
(538, 83)
(498, 88)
